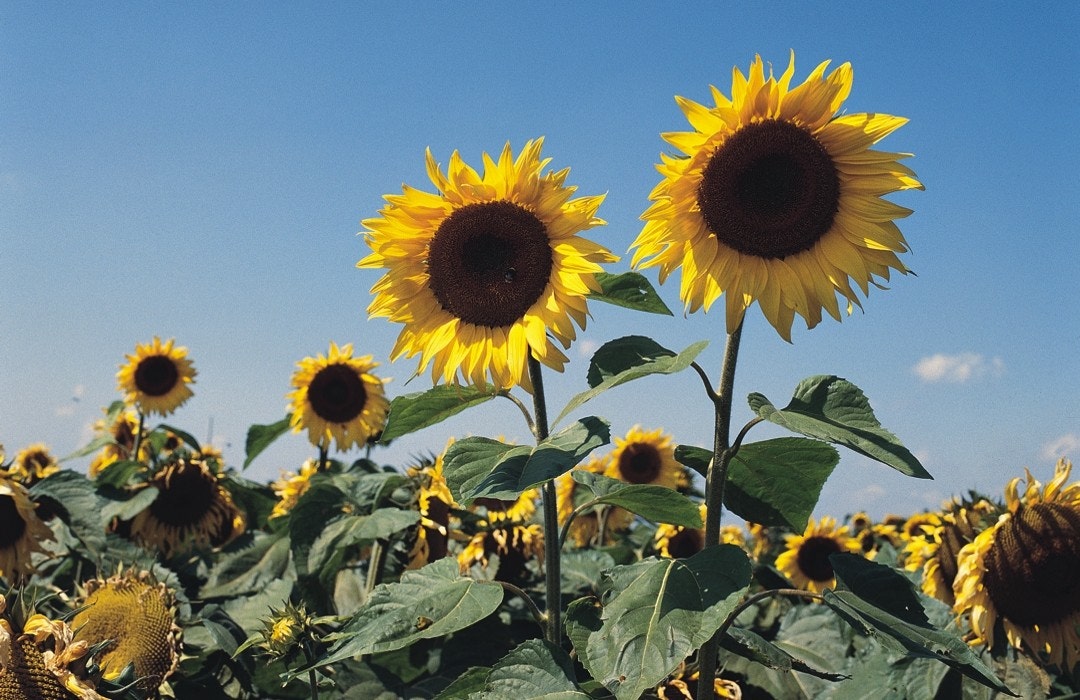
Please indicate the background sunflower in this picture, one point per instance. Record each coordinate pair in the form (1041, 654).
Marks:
(157, 378)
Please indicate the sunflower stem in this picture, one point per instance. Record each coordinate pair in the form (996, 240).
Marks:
(552, 570)
(540, 618)
(138, 438)
(714, 492)
(323, 456)
(376, 562)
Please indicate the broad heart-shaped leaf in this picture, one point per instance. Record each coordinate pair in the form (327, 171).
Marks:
(411, 412)
(879, 585)
(903, 637)
(657, 364)
(248, 566)
(622, 354)
(772, 482)
(329, 548)
(537, 670)
(259, 437)
(476, 467)
(657, 503)
(429, 602)
(829, 408)
(631, 290)
(656, 612)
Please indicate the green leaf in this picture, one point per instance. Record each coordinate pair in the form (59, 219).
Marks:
(91, 447)
(657, 503)
(754, 647)
(129, 508)
(426, 603)
(580, 622)
(329, 548)
(76, 502)
(412, 412)
(119, 474)
(881, 586)
(622, 354)
(581, 569)
(188, 438)
(630, 290)
(248, 566)
(472, 681)
(835, 410)
(657, 612)
(536, 670)
(901, 636)
(477, 467)
(259, 437)
(662, 364)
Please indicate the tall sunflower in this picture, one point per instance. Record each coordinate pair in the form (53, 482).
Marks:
(487, 270)
(805, 560)
(21, 531)
(1024, 572)
(646, 457)
(156, 378)
(336, 397)
(777, 198)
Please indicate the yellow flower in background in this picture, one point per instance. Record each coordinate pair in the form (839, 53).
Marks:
(21, 531)
(805, 559)
(32, 464)
(777, 198)
(337, 398)
(487, 270)
(519, 510)
(136, 617)
(569, 495)
(122, 431)
(1024, 572)
(156, 378)
(646, 457)
(435, 503)
(291, 486)
(677, 542)
(514, 545)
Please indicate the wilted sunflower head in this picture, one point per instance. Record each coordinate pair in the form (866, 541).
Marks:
(134, 618)
(495, 510)
(21, 530)
(805, 560)
(32, 464)
(488, 270)
(676, 687)
(336, 397)
(777, 198)
(1024, 572)
(193, 509)
(514, 545)
(156, 378)
(646, 458)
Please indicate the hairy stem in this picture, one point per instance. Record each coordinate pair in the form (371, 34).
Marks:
(541, 618)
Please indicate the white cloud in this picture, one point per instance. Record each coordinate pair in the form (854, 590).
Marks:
(959, 368)
(1064, 446)
(587, 347)
(68, 409)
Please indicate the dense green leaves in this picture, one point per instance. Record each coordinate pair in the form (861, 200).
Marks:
(248, 566)
(411, 412)
(657, 503)
(835, 410)
(259, 437)
(536, 670)
(631, 290)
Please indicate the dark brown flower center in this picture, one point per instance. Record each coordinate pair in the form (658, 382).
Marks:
(493, 505)
(685, 543)
(185, 494)
(12, 526)
(488, 263)
(770, 190)
(640, 463)
(1033, 567)
(813, 557)
(156, 375)
(337, 393)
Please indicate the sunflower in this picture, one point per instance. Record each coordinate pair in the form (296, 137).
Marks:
(678, 542)
(21, 530)
(514, 545)
(676, 687)
(495, 510)
(488, 270)
(291, 486)
(777, 199)
(435, 503)
(283, 631)
(122, 430)
(597, 525)
(136, 618)
(1024, 572)
(805, 560)
(156, 378)
(33, 463)
(646, 458)
(337, 397)
(192, 509)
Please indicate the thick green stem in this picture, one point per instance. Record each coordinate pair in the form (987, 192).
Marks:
(376, 562)
(552, 569)
(323, 456)
(138, 439)
(714, 493)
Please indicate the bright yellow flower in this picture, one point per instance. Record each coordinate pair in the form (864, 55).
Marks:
(290, 487)
(156, 378)
(805, 561)
(646, 458)
(33, 463)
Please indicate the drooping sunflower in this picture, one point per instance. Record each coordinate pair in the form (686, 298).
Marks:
(487, 270)
(1024, 572)
(646, 457)
(21, 530)
(136, 617)
(777, 198)
(157, 378)
(192, 510)
(33, 463)
(337, 398)
(291, 486)
(122, 430)
(495, 510)
(435, 503)
(805, 560)
(514, 545)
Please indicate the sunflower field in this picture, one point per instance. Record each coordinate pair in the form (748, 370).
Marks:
(587, 565)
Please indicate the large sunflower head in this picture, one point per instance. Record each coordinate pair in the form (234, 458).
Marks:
(805, 560)
(157, 378)
(193, 509)
(646, 457)
(32, 464)
(135, 618)
(1024, 572)
(487, 270)
(336, 397)
(777, 198)
(21, 530)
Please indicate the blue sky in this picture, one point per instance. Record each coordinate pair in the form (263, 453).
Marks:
(199, 171)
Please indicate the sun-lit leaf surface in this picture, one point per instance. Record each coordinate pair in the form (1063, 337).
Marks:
(259, 437)
(663, 364)
(469, 461)
(119, 474)
(74, 499)
(412, 412)
(581, 569)
(657, 503)
(829, 408)
(535, 669)
(472, 681)
(631, 290)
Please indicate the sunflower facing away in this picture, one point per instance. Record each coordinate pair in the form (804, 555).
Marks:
(1024, 572)
(156, 378)
(486, 270)
(776, 198)
(21, 531)
(805, 560)
(336, 397)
